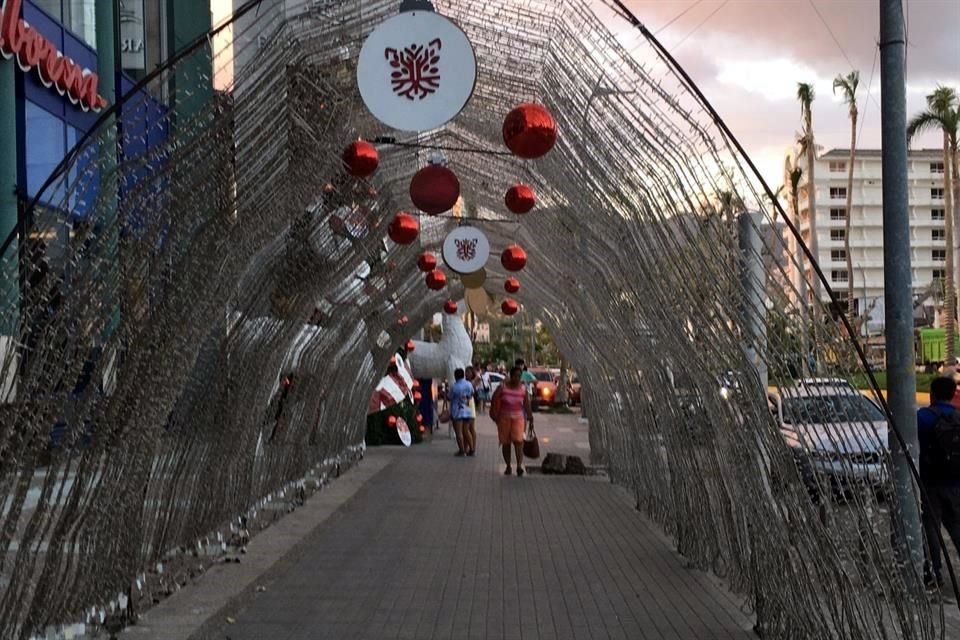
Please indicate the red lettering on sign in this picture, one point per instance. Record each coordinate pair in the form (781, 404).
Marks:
(33, 51)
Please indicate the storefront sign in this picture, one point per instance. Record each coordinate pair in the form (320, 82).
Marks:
(416, 71)
(132, 49)
(33, 51)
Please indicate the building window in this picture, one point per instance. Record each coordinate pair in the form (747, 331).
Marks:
(939, 274)
(838, 255)
(936, 193)
(838, 166)
(936, 167)
(838, 235)
(839, 275)
(838, 193)
(78, 16)
(838, 214)
(938, 214)
(938, 235)
(939, 255)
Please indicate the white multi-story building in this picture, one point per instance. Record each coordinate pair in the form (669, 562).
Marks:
(927, 236)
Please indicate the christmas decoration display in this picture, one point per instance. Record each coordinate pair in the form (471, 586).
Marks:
(513, 258)
(474, 280)
(434, 189)
(436, 280)
(391, 408)
(466, 250)
(404, 228)
(450, 306)
(410, 346)
(509, 307)
(511, 285)
(427, 262)
(520, 199)
(529, 131)
(360, 159)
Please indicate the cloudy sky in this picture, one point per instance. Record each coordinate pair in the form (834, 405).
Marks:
(748, 55)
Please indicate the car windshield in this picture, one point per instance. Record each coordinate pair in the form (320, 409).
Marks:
(543, 376)
(830, 409)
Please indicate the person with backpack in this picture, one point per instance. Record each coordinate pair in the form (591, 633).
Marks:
(938, 431)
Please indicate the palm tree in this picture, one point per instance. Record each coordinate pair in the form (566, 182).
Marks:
(794, 173)
(806, 94)
(942, 113)
(848, 84)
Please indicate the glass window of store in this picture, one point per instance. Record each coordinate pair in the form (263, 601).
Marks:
(79, 16)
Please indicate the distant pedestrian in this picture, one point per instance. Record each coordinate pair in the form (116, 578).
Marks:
(484, 388)
(470, 424)
(938, 430)
(461, 412)
(511, 408)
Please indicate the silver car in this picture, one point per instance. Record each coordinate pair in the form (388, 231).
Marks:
(838, 435)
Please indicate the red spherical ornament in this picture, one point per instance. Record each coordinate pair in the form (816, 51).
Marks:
(417, 397)
(410, 346)
(436, 280)
(416, 384)
(513, 258)
(529, 131)
(434, 189)
(427, 262)
(404, 228)
(392, 422)
(419, 418)
(402, 321)
(360, 159)
(393, 359)
(520, 198)
(422, 428)
(511, 285)
(509, 307)
(450, 307)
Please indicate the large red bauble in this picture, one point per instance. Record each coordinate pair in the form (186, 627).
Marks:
(427, 262)
(509, 307)
(410, 346)
(520, 198)
(436, 280)
(450, 307)
(434, 189)
(404, 228)
(513, 258)
(360, 159)
(529, 131)
(511, 285)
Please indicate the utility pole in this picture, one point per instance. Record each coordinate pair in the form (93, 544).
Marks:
(898, 303)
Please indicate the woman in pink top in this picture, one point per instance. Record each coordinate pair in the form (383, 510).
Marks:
(510, 406)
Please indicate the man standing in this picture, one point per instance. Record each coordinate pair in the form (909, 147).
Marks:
(461, 411)
(938, 430)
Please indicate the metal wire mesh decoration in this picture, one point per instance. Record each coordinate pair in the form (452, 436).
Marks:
(145, 430)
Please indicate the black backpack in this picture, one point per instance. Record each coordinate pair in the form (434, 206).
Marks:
(945, 446)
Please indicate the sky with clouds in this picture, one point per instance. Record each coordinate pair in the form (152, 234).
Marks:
(748, 55)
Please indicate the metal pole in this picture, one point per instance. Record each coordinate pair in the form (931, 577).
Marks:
(9, 218)
(901, 379)
(753, 278)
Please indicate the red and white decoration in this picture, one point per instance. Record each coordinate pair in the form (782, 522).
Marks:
(434, 189)
(404, 228)
(466, 250)
(513, 258)
(520, 199)
(361, 159)
(416, 71)
(529, 131)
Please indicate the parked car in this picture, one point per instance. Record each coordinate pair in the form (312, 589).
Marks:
(838, 436)
(494, 380)
(544, 391)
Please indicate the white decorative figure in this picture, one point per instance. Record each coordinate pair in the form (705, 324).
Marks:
(440, 359)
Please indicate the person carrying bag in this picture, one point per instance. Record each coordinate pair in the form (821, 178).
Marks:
(531, 444)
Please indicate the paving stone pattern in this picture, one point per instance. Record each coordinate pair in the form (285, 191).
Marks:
(441, 547)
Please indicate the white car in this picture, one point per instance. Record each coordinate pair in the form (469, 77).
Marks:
(837, 434)
(494, 380)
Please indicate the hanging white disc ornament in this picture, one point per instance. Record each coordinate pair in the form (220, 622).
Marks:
(416, 71)
(404, 432)
(466, 250)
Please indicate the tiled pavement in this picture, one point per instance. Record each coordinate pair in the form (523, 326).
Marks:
(434, 546)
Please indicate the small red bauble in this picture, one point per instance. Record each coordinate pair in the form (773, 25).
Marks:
(416, 384)
(513, 258)
(393, 359)
(392, 422)
(450, 307)
(410, 345)
(427, 262)
(402, 321)
(360, 159)
(404, 228)
(529, 131)
(509, 307)
(520, 198)
(419, 418)
(422, 428)
(511, 285)
(417, 397)
(436, 280)
(434, 189)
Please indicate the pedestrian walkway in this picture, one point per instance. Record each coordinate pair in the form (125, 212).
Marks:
(434, 546)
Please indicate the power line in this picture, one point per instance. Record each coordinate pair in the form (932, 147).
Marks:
(837, 42)
(677, 17)
(866, 106)
(702, 22)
